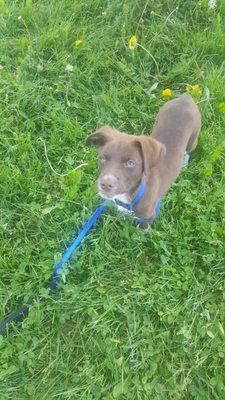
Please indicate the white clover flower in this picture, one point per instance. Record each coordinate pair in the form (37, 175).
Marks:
(212, 4)
(69, 68)
(20, 17)
(39, 67)
(1, 66)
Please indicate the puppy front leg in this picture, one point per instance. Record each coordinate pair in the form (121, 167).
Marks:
(147, 210)
(147, 216)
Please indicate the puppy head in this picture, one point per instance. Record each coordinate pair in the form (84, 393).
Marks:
(123, 159)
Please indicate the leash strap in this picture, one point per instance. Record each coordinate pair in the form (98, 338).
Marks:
(22, 311)
(76, 242)
(15, 316)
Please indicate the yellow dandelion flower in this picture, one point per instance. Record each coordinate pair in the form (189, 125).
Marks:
(167, 92)
(78, 42)
(132, 42)
(195, 89)
(221, 106)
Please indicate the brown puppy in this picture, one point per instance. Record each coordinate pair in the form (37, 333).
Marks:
(124, 159)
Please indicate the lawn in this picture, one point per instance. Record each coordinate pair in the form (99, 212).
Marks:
(140, 315)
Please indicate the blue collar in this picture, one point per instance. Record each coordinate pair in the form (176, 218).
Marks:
(138, 196)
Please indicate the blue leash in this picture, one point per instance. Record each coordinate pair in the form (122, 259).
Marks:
(18, 314)
(76, 242)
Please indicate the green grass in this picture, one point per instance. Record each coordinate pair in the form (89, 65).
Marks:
(141, 316)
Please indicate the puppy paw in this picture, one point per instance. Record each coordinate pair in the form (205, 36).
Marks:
(144, 226)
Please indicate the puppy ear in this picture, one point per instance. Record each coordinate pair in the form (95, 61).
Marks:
(152, 151)
(101, 137)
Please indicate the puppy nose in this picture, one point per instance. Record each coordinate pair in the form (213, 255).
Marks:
(107, 183)
(106, 186)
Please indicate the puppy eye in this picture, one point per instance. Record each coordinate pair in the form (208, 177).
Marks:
(130, 163)
(102, 159)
